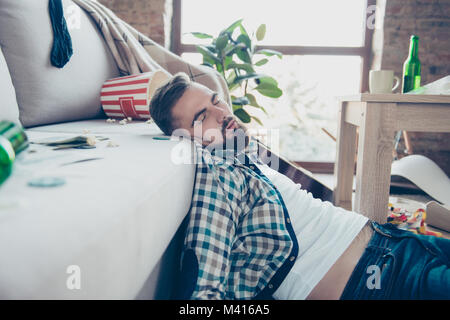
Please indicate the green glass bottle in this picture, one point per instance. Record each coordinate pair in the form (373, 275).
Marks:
(412, 67)
(12, 140)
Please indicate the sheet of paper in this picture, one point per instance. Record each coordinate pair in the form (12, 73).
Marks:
(425, 174)
(441, 86)
(438, 215)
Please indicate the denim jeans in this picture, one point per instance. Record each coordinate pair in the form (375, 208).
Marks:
(399, 264)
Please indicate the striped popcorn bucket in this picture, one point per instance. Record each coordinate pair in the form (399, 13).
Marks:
(130, 96)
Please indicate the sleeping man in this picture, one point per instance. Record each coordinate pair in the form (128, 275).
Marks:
(253, 233)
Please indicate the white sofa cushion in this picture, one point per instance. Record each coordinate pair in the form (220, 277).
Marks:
(8, 104)
(113, 218)
(47, 94)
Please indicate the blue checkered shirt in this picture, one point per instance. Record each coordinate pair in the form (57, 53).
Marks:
(239, 242)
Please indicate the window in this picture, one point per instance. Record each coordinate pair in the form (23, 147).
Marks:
(326, 51)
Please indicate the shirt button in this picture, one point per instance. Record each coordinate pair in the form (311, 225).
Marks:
(270, 286)
(292, 258)
(288, 220)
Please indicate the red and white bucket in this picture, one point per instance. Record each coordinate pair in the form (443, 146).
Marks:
(130, 96)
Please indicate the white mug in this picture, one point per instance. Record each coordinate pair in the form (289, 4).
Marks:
(382, 81)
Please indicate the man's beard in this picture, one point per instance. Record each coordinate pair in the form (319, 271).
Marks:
(239, 139)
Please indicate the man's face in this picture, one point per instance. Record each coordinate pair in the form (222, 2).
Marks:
(206, 117)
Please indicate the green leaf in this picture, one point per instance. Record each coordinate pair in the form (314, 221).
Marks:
(261, 62)
(269, 90)
(243, 38)
(261, 32)
(208, 56)
(230, 49)
(230, 79)
(201, 35)
(252, 102)
(247, 67)
(233, 86)
(239, 79)
(210, 47)
(236, 107)
(234, 25)
(257, 120)
(221, 42)
(269, 80)
(227, 61)
(241, 101)
(244, 55)
(243, 31)
(230, 82)
(269, 53)
(242, 115)
(219, 68)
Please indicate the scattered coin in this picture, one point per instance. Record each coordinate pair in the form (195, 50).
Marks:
(47, 182)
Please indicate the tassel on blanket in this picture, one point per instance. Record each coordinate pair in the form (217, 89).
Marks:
(62, 42)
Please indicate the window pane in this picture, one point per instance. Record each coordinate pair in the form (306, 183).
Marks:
(310, 86)
(299, 22)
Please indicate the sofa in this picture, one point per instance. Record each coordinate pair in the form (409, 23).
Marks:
(112, 228)
(114, 220)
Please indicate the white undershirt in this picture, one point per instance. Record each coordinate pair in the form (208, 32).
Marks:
(323, 232)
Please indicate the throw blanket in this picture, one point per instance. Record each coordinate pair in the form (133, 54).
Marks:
(134, 52)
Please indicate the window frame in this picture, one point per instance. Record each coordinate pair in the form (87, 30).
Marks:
(364, 51)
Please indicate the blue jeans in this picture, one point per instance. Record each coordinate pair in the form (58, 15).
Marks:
(399, 264)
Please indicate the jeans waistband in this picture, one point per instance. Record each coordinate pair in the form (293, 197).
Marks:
(382, 235)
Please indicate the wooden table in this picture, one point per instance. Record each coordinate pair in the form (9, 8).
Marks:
(378, 117)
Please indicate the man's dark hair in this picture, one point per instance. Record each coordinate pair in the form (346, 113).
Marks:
(165, 98)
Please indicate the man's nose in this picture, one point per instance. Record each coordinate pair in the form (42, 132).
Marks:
(221, 115)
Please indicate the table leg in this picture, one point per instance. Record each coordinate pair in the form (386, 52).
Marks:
(345, 161)
(373, 171)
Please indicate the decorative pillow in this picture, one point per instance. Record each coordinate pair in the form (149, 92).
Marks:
(47, 94)
(8, 104)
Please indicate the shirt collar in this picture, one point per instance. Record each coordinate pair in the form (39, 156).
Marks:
(250, 151)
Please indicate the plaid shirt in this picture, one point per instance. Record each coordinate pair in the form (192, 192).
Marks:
(239, 242)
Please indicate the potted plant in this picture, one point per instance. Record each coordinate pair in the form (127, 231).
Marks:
(233, 53)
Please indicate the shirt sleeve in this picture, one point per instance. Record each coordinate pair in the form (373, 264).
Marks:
(211, 229)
